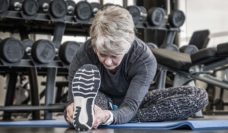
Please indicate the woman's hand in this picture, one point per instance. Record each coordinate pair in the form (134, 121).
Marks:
(100, 116)
(70, 113)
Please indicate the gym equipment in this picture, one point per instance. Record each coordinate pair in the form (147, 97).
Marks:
(152, 45)
(83, 10)
(222, 49)
(70, 7)
(43, 51)
(67, 51)
(188, 68)
(171, 47)
(27, 43)
(138, 13)
(176, 18)
(168, 42)
(211, 95)
(44, 5)
(95, 7)
(205, 124)
(200, 38)
(30, 7)
(58, 8)
(61, 94)
(219, 104)
(4, 5)
(11, 50)
(188, 49)
(156, 16)
(15, 5)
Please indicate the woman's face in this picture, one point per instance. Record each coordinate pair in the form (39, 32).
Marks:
(109, 61)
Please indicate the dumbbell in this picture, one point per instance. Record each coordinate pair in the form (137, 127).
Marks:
(156, 16)
(58, 8)
(42, 51)
(70, 7)
(138, 13)
(83, 10)
(11, 50)
(27, 44)
(95, 7)
(176, 18)
(44, 5)
(4, 5)
(188, 49)
(67, 51)
(30, 7)
(15, 5)
(152, 45)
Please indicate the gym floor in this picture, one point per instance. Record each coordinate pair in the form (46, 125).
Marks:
(64, 130)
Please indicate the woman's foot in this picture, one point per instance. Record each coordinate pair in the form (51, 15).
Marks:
(85, 85)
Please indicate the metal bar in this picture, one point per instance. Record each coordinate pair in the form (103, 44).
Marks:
(59, 93)
(50, 90)
(212, 80)
(34, 91)
(10, 92)
(222, 64)
(58, 33)
(162, 78)
(170, 37)
(19, 108)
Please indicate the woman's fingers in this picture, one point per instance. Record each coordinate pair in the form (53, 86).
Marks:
(97, 122)
(70, 113)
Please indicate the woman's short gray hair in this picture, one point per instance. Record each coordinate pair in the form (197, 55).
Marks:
(112, 30)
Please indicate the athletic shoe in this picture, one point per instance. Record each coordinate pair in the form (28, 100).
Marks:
(85, 85)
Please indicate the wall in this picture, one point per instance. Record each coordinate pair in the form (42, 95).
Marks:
(205, 14)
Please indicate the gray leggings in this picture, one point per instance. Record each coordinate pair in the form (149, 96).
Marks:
(177, 103)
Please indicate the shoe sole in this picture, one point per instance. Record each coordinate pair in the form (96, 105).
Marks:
(85, 85)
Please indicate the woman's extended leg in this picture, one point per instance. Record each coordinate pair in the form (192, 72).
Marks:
(175, 103)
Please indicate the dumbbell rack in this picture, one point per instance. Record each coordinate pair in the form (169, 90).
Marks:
(30, 67)
(36, 24)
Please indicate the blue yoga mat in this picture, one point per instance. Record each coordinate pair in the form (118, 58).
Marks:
(191, 124)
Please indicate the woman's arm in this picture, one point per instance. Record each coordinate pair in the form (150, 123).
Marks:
(143, 74)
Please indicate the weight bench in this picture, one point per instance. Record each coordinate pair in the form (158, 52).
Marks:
(196, 66)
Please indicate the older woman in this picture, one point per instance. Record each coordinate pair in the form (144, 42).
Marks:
(110, 76)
